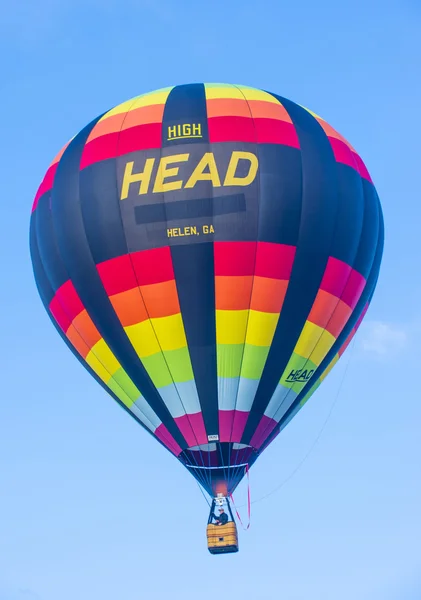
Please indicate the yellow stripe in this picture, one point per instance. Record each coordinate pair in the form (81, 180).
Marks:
(102, 360)
(253, 94)
(170, 332)
(143, 338)
(223, 92)
(231, 326)
(313, 114)
(329, 368)
(158, 97)
(314, 343)
(261, 328)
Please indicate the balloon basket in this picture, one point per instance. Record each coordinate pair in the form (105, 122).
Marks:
(222, 539)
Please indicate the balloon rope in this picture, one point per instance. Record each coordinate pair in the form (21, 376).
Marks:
(248, 502)
(300, 464)
(203, 494)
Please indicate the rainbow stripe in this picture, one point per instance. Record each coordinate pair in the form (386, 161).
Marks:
(142, 289)
(339, 292)
(73, 319)
(251, 280)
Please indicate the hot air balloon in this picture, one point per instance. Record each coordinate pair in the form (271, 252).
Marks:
(207, 252)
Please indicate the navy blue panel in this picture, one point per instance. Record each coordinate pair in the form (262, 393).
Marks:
(371, 231)
(319, 208)
(47, 244)
(190, 209)
(186, 105)
(43, 284)
(350, 216)
(74, 248)
(195, 280)
(365, 297)
(280, 192)
(101, 211)
(46, 293)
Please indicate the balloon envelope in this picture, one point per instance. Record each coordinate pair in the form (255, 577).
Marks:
(207, 252)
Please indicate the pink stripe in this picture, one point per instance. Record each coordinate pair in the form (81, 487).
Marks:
(240, 420)
(274, 131)
(100, 148)
(59, 314)
(353, 289)
(69, 299)
(166, 438)
(193, 429)
(234, 258)
(335, 277)
(226, 420)
(264, 428)
(343, 153)
(47, 184)
(140, 137)
(362, 315)
(362, 168)
(274, 260)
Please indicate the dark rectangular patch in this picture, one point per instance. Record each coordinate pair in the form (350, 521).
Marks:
(190, 209)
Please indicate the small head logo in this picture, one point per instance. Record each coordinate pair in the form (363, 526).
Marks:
(186, 130)
(299, 376)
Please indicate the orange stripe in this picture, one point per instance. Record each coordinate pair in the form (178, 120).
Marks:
(329, 131)
(77, 342)
(233, 293)
(161, 299)
(106, 126)
(83, 334)
(339, 318)
(224, 107)
(144, 115)
(329, 313)
(268, 110)
(60, 154)
(129, 307)
(268, 294)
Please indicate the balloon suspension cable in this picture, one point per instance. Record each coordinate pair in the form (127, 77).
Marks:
(203, 494)
(248, 503)
(319, 435)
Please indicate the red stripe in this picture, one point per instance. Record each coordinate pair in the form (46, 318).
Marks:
(166, 438)
(234, 258)
(240, 420)
(59, 314)
(153, 266)
(361, 317)
(110, 145)
(274, 131)
(274, 260)
(141, 137)
(362, 168)
(66, 305)
(231, 129)
(264, 428)
(46, 185)
(335, 277)
(353, 289)
(343, 153)
(101, 148)
(117, 275)
(69, 299)
(193, 429)
(353, 331)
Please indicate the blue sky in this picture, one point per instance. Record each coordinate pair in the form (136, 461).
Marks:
(90, 506)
